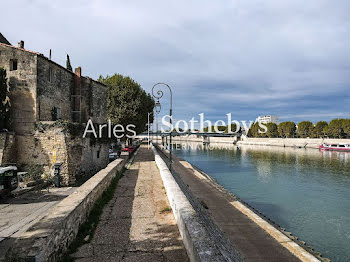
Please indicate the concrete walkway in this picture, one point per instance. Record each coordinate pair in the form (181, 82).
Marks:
(19, 213)
(136, 225)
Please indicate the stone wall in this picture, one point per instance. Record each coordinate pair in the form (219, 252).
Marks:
(291, 142)
(50, 237)
(54, 89)
(39, 85)
(80, 157)
(22, 83)
(94, 101)
(7, 148)
(282, 142)
(99, 102)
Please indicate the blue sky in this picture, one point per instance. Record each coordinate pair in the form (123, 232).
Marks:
(249, 57)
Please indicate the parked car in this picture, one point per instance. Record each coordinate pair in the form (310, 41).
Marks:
(8, 179)
(129, 148)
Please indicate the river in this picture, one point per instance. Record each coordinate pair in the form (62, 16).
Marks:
(305, 191)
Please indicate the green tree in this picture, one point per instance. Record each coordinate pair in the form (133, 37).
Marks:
(254, 130)
(272, 130)
(318, 130)
(4, 100)
(233, 128)
(346, 127)
(219, 128)
(68, 65)
(127, 102)
(305, 129)
(335, 128)
(287, 129)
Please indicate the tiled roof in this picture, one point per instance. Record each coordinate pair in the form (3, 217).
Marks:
(20, 49)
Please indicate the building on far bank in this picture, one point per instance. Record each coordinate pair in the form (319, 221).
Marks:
(268, 119)
(43, 93)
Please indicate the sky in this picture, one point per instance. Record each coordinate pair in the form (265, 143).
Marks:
(246, 57)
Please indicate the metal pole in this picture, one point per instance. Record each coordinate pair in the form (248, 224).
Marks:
(159, 95)
(148, 129)
(171, 124)
(157, 127)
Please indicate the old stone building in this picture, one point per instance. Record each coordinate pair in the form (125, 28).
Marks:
(43, 93)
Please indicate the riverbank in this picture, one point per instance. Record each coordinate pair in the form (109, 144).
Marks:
(291, 142)
(279, 142)
(249, 232)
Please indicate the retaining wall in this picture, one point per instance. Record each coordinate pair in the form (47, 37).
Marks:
(281, 142)
(195, 237)
(48, 239)
(291, 142)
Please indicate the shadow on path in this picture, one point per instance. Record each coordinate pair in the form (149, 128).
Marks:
(136, 225)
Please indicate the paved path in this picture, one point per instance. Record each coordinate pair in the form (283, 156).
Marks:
(19, 213)
(136, 224)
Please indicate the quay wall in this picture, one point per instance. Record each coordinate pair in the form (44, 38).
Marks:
(281, 142)
(51, 236)
(291, 142)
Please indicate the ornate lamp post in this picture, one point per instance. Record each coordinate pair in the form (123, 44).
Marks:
(159, 94)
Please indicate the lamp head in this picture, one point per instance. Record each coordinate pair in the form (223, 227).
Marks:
(158, 107)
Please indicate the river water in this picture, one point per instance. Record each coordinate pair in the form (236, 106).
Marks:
(306, 191)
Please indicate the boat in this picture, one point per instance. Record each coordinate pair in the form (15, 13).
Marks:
(335, 147)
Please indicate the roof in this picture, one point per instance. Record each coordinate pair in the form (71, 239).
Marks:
(7, 45)
(4, 40)
(41, 55)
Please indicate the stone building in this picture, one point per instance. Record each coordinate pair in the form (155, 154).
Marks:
(43, 93)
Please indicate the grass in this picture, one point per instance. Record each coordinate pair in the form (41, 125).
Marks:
(165, 210)
(87, 229)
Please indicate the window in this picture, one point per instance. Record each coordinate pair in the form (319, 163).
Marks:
(98, 153)
(13, 64)
(56, 113)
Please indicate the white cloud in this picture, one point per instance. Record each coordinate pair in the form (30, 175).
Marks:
(262, 50)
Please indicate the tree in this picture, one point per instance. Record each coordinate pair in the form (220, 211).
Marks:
(346, 127)
(127, 102)
(305, 129)
(68, 65)
(335, 128)
(272, 130)
(233, 129)
(4, 100)
(219, 128)
(319, 129)
(287, 129)
(253, 130)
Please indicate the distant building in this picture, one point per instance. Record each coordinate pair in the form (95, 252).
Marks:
(42, 92)
(268, 119)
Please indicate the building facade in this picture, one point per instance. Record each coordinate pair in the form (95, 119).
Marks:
(44, 92)
(268, 119)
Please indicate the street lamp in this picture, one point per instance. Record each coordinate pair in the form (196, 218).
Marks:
(158, 95)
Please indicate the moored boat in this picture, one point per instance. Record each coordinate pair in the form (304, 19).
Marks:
(335, 147)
